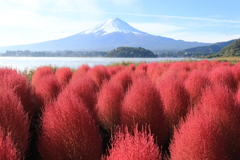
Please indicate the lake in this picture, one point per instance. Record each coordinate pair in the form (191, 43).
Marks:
(21, 63)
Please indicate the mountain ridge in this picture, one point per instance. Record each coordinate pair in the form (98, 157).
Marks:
(106, 36)
(207, 50)
(232, 49)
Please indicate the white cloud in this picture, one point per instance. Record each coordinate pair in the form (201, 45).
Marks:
(24, 27)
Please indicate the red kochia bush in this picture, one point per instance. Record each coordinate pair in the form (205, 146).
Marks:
(20, 86)
(8, 150)
(63, 75)
(131, 67)
(195, 84)
(151, 68)
(112, 70)
(99, 74)
(46, 90)
(180, 66)
(142, 105)
(14, 121)
(200, 137)
(85, 89)
(68, 131)
(223, 75)
(81, 71)
(220, 101)
(204, 65)
(109, 104)
(40, 72)
(141, 68)
(238, 96)
(212, 132)
(174, 97)
(140, 145)
(124, 78)
(236, 72)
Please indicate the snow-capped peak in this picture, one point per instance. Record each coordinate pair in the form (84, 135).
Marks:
(112, 25)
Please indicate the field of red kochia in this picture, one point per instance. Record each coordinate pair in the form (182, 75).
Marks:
(172, 111)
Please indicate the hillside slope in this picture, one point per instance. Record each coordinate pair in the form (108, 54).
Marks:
(207, 50)
(130, 52)
(231, 50)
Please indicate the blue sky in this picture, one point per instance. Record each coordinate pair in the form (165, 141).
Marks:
(31, 21)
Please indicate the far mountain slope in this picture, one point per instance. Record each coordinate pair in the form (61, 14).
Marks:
(207, 50)
(231, 50)
(107, 36)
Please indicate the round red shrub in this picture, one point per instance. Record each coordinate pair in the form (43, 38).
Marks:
(236, 72)
(124, 78)
(20, 86)
(174, 97)
(212, 130)
(157, 73)
(223, 75)
(200, 137)
(85, 89)
(68, 131)
(109, 104)
(238, 96)
(151, 68)
(63, 75)
(204, 65)
(180, 66)
(46, 90)
(40, 72)
(81, 71)
(219, 101)
(8, 150)
(112, 70)
(195, 84)
(131, 67)
(99, 74)
(142, 105)
(14, 121)
(140, 145)
(141, 68)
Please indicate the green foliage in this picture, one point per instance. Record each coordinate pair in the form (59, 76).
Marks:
(232, 50)
(28, 72)
(208, 51)
(229, 51)
(130, 52)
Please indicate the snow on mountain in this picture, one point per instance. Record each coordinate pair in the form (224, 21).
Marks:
(111, 26)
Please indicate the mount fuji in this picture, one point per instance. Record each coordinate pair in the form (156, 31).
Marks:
(106, 36)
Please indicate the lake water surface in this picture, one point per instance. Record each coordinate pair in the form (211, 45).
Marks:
(21, 63)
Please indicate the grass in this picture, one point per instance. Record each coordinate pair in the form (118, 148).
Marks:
(127, 63)
(232, 60)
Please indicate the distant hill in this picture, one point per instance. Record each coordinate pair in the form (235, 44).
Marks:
(231, 50)
(207, 50)
(130, 52)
